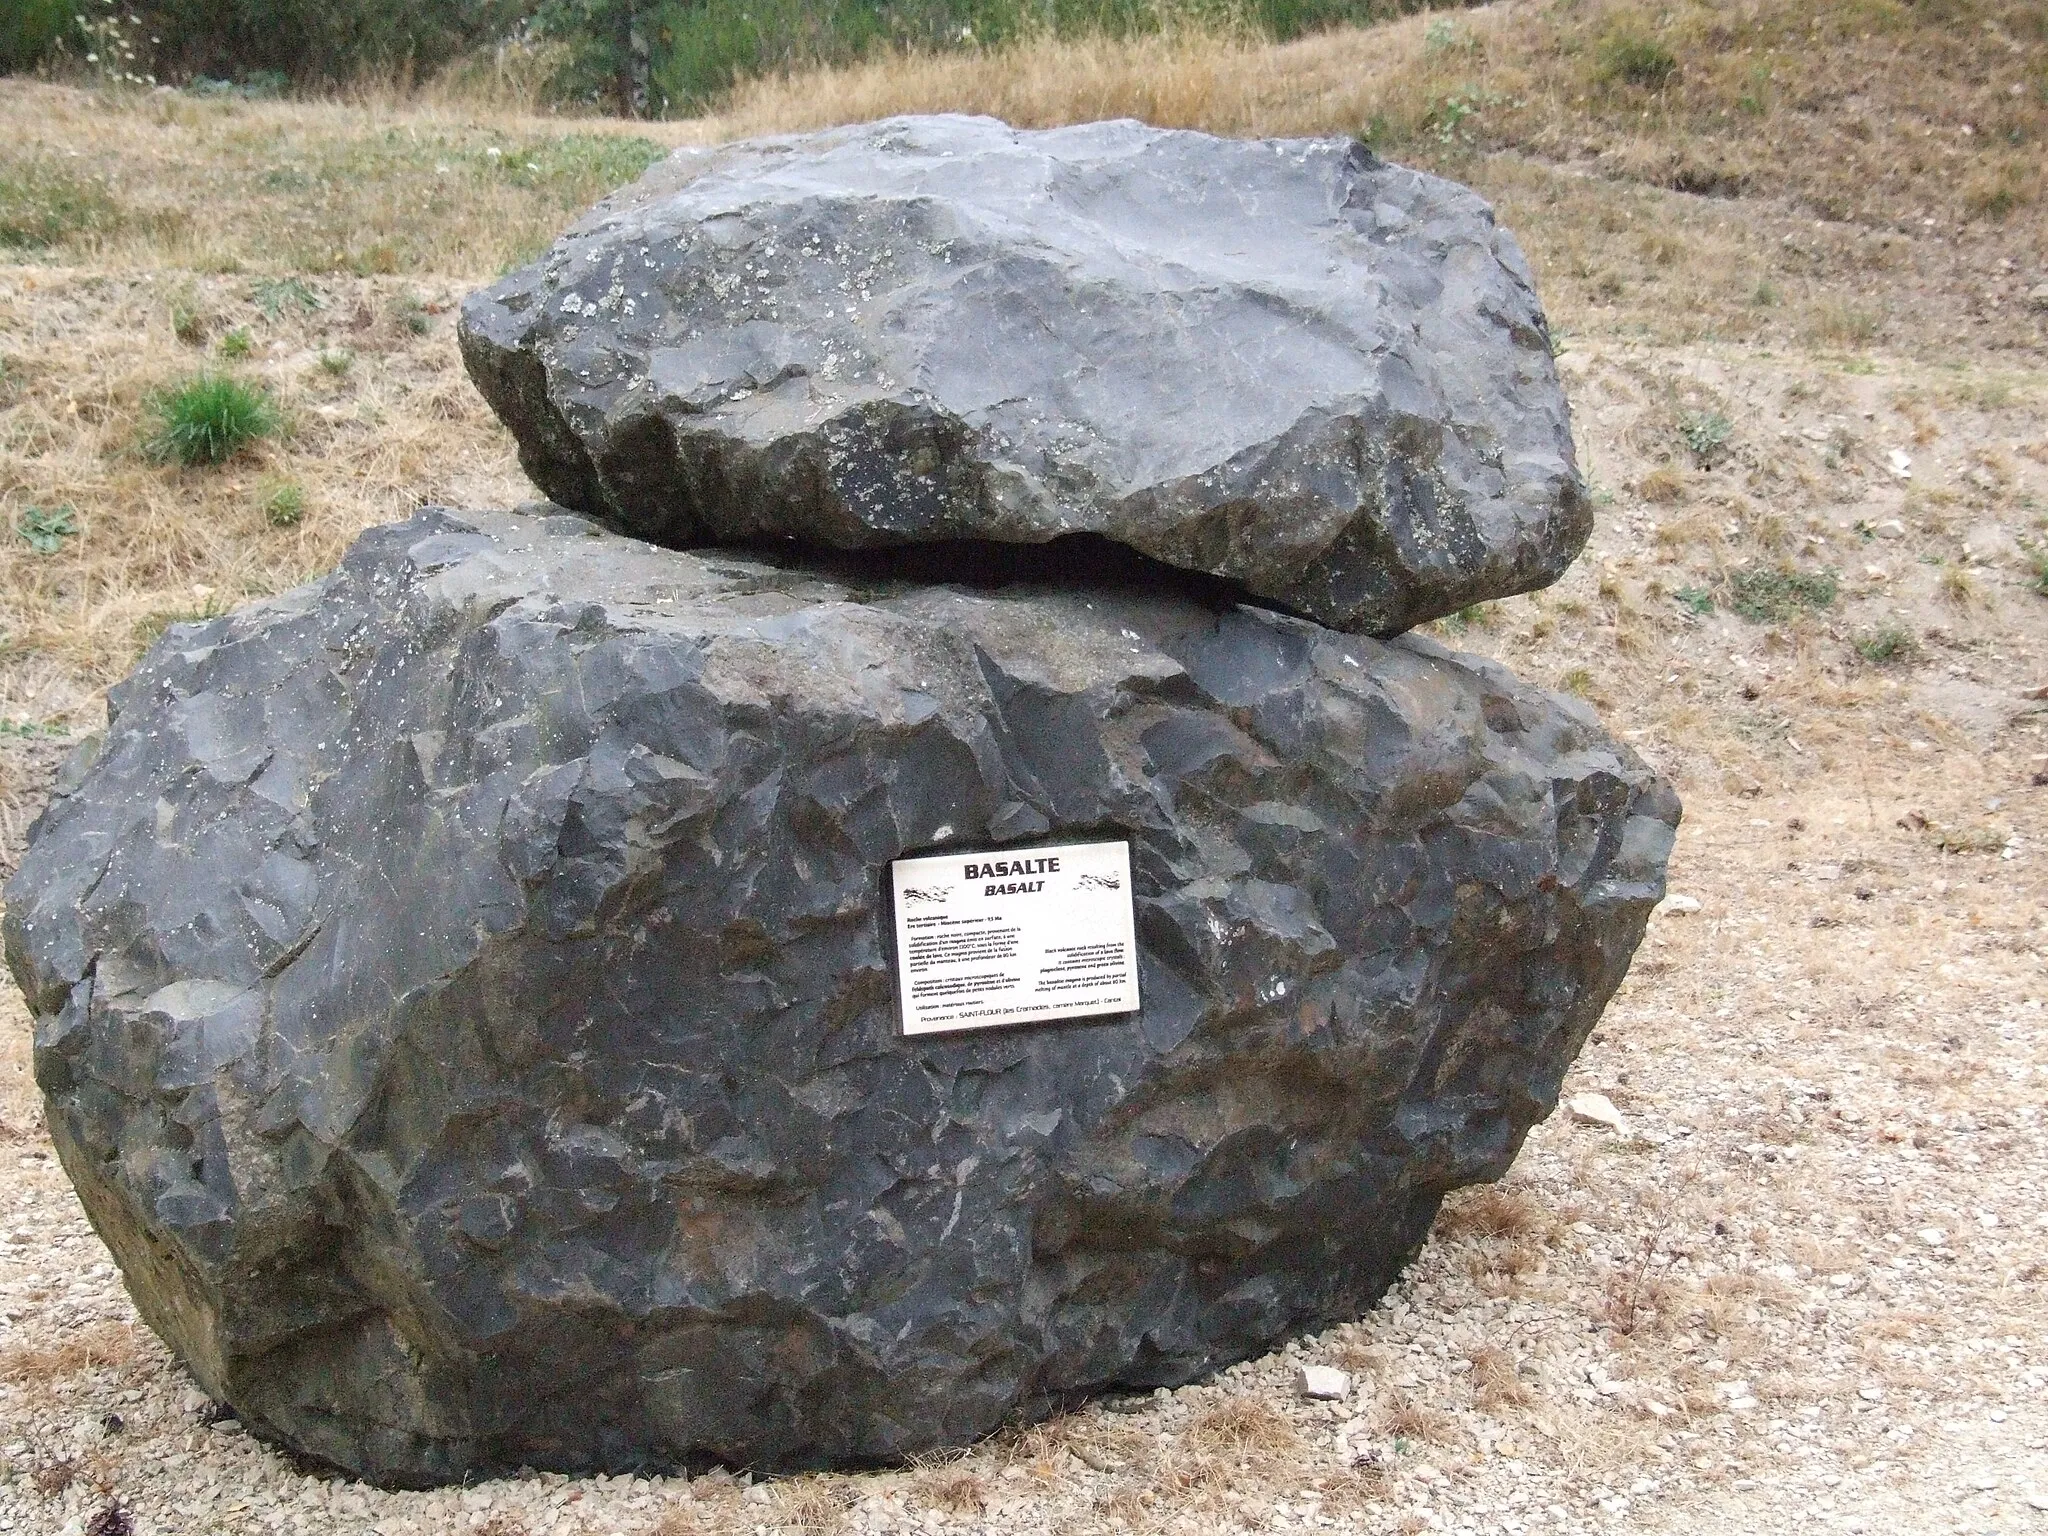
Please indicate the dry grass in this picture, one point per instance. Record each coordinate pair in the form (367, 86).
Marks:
(384, 209)
(94, 1348)
(1244, 1430)
(813, 1506)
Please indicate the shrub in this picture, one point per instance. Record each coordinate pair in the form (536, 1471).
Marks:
(1631, 59)
(208, 420)
(1694, 600)
(44, 529)
(310, 41)
(1771, 596)
(30, 30)
(335, 362)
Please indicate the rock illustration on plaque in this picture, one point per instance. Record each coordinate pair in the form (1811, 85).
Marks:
(497, 1002)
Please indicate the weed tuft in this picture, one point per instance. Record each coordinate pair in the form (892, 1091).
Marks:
(1664, 485)
(412, 314)
(275, 295)
(208, 420)
(335, 362)
(188, 323)
(1889, 645)
(1628, 58)
(284, 505)
(237, 344)
(1956, 586)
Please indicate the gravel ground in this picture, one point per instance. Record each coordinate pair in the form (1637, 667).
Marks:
(1799, 1289)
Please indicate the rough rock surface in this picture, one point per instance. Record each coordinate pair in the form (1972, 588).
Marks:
(1287, 363)
(462, 1001)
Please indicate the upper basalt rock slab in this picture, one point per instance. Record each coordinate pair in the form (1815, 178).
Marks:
(1284, 363)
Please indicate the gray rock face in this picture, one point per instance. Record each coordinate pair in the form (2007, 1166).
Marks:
(463, 1002)
(1287, 364)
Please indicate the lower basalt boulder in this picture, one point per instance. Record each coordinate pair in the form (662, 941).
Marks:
(464, 1005)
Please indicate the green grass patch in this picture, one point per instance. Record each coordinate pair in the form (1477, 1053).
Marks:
(209, 419)
(44, 529)
(43, 203)
(1773, 596)
(577, 168)
(237, 344)
(1887, 646)
(275, 295)
(1694, 600)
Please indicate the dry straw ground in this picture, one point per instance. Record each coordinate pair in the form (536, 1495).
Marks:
(1801, 282)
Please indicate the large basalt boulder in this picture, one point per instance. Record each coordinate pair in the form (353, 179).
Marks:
(1287, 364)
(463, 1002)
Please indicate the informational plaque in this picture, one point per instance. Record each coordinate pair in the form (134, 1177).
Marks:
(1017, 936)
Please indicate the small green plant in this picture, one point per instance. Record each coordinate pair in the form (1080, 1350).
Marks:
(2040, 581)
(412, 314)
(188, 322)
(1448, 115)
(1631, 59)
(30, 730)
(1578, 681)
(1765, 295)
(1756, 101)
(44, 529)
(1887, 646)
(1706, 435)
(237, 344)
(284, 505)
(1771, 596)
(335, 362)
(208, 419)
(1695, 600)
(275, 295)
